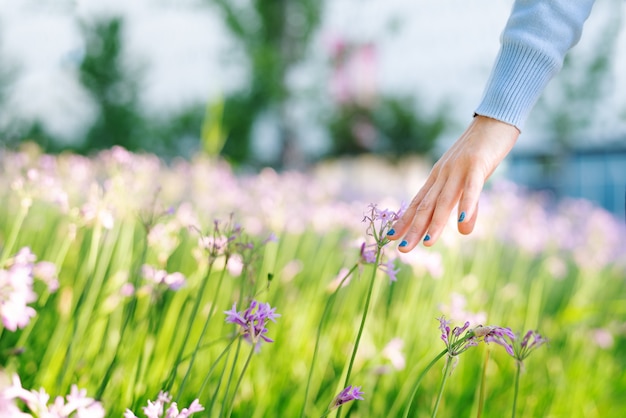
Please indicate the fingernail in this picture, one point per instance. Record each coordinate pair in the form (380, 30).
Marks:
(427, 238)
(404, 243)
(391, 232)
(462, 217)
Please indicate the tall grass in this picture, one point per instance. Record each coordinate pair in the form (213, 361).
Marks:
(559, 268)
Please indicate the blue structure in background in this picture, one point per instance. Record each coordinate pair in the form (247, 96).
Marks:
(594, 173)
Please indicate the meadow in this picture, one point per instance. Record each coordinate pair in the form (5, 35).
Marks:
(131, 287)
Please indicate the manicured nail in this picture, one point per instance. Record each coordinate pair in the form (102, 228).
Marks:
(462, 217)
(404, 243)
(391, 232)
(427, 238)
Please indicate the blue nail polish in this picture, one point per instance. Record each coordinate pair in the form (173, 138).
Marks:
(404, 243)
(391, 232)
(427, 238)
(462, 217)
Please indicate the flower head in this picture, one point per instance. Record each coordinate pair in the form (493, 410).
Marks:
(156, 408)
(380, 222)
(500, 336)
(252, 322)
(520, 348)
(389, 268)
(173, 281)
(77, 403)
(457, 343)
(350, 393)
(453, 339)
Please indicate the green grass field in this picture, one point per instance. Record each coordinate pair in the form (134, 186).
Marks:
(124, 333)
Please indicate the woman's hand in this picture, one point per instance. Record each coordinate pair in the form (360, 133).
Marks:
(458, 177)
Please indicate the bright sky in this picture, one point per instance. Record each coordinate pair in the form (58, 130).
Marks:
(441, 51)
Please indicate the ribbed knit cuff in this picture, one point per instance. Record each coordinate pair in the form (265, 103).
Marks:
(518, 78)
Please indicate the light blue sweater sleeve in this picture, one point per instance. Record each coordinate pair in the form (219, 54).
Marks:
(535, 40)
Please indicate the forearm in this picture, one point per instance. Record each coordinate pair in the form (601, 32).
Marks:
(535, 40)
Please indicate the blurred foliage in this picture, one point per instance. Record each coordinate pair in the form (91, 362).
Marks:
(274, 37)
(392, 127)
(213, 137)
(7, 73)
(584, 82)
(114, 89)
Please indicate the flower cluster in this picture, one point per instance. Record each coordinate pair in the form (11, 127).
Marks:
(379, 223)
(75, 404)
(222, 240)
(516, 347)
(253, 321)
(174, 281)
(16, 287)
(456, 342)
(157, 408)
(350, 393)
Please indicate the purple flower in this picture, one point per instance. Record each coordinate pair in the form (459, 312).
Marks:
(517, 348)
(389, 268)
(253, 321)
(531, 341)
(380, 222)
(351, 393)
(368, 254)
(454, 339)
(498, 335)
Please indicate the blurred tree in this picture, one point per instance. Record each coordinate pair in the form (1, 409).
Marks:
(363, 119)
(6, 77)
(274, 36)
(112, 87)
(391, 126)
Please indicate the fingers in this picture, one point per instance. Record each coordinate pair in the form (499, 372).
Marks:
(418, 223)
(446, 201)
(466, 226)
(468, 205)
(401, 227)
(457, 178)
(429, 212)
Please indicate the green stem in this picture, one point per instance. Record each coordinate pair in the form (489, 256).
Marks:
(245, 367)
(363, 318)
(212, 399)
(329, 304)
(481, 394)
(230, 377)
(214, 365)
(443, 384)
(128, 312)
(202, 334)
(17, 225)
(517, 375)
(194, 313)
(420, 378)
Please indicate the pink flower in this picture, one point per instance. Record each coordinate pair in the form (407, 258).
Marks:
(16, 292)
(78, 404)
(155, 409)
(173, 281)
